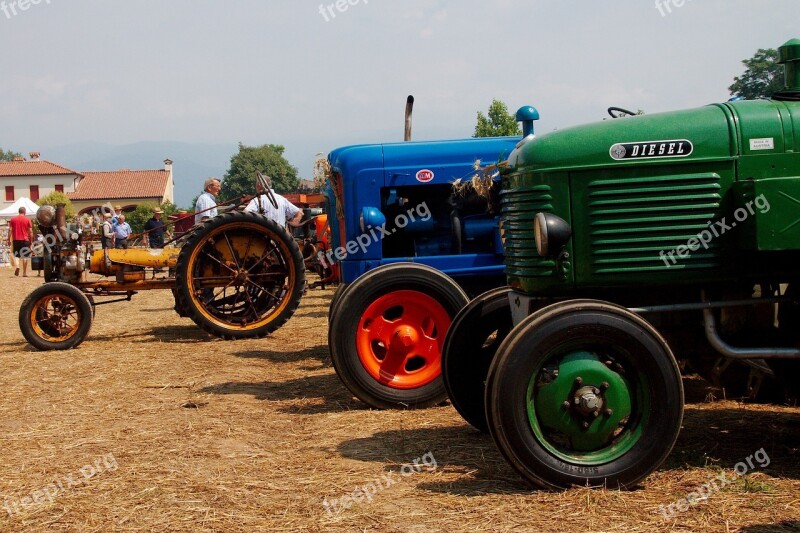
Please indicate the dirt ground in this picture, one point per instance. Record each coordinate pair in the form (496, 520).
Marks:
(153, 425)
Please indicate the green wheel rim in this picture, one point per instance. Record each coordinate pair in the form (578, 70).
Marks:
(586, 407)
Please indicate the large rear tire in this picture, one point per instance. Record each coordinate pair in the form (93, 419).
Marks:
(55, 316)
(584, 393)
(471, 343)
(240, 276)
(387, 332)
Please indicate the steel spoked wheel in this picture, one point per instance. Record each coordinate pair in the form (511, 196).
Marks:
(471, 343)
(240, 276)
(387, 332)
(55, 316)
(584, 393)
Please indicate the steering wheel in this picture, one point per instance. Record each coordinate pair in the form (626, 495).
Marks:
(266, 185)
(619, 112)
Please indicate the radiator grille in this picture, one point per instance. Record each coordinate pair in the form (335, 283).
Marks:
(632, 221)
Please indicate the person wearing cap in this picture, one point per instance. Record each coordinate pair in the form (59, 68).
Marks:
(154, 230)
(115, 217)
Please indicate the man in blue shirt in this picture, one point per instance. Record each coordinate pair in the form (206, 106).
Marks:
(121, 232)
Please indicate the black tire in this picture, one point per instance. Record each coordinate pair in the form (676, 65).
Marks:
(332, 310)
(399, 365)
(337, 295)
(471, 343)
(55, 316)
(606, 341)
(239, 276)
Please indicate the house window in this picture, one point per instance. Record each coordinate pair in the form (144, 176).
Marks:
(34, 193)
(9, 193)
(60, 188)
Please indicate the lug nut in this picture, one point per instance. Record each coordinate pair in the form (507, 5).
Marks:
(577, 401)
(585, 425)
(596, 414)
(609, 412)
(565, 405)
(579, 381)
(604, 385)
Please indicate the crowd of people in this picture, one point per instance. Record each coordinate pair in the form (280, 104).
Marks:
(115, 231)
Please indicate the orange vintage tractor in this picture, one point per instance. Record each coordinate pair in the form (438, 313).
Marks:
(237, 275)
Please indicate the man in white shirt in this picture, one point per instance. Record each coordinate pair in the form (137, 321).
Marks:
(286, 210)
(206, 206)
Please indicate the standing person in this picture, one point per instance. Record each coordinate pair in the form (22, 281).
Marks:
(121, 232)
(154, 230)
(20, 235)
(38, 248)
(106, 236)
(115, 217)
(286, 210)
(207, 200)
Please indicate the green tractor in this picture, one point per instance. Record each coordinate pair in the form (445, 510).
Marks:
(626, 242)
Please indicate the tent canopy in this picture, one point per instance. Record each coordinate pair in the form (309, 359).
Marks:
(13, 210)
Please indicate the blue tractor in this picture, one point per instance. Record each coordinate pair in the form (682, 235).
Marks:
(409, 248)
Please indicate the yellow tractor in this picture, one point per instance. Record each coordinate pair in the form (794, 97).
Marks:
(237, 275)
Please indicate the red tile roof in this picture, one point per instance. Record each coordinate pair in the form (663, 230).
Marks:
(33, 168)
(122, 184)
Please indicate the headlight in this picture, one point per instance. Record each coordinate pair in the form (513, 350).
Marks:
(371, 217)
(551, 234)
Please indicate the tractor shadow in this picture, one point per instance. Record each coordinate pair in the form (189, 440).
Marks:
(317, 353)
(781, 527)
(712, 436)
(458, 450)
(171, 334)
(314, 394)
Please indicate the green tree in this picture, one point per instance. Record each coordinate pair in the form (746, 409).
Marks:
(269, 160)
(55, 198)
(144, 212)
(498, 123)
(8, 155)
(763, 76)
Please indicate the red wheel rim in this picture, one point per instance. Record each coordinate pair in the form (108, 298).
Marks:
(400, 338)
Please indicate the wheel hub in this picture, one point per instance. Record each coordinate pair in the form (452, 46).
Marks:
(404, 339)
(581, 400)
(589, 401)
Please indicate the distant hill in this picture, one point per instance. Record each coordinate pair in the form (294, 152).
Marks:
(192, 163)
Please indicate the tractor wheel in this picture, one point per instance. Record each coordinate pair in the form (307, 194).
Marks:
(470, 345)
(584, 393)
(387, 332)
(337, 295)
(55, 316)
(239, 276)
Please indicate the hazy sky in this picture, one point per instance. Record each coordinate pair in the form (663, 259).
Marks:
(278, 72)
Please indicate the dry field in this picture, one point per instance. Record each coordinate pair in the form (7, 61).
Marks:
(153, 425)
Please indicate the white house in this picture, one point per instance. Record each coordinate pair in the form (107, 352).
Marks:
(33, 179)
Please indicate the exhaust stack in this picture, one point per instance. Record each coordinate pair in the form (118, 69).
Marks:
(409, 110)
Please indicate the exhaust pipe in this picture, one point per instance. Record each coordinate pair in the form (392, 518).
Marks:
(409, 109)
